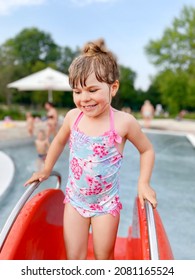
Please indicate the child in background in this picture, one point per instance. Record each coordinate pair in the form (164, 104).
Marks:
(30, 123)
(42, 146)
(52, 119)
(97, 134)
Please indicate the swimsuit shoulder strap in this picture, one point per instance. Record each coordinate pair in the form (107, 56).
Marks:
(77, 120)
(117, 137)
(111, 119)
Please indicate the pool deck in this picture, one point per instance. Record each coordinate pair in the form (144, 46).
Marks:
(17, 131)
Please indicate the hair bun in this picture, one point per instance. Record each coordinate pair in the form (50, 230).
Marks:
(95, 47)
(101, 44)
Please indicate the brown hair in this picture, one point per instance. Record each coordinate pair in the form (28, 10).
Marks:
(94, 58)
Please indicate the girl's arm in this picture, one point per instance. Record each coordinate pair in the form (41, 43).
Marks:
(147, 157)
(54, 152)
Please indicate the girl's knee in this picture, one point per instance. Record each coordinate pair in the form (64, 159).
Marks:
(76, 250)
(76, 256)
(104, 256)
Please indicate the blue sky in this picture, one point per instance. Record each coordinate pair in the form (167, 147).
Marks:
(126, 25)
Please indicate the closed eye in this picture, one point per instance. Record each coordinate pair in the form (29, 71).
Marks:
(80, 91)
(93, 90)
(76, 92)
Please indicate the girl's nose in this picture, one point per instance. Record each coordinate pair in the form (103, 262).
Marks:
(85, 96)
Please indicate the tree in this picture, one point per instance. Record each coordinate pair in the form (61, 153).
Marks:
(174, 56)
(32, 45)
(127, 94)
(67, 56)
(19, 57)
(173, 87)
(153, 95)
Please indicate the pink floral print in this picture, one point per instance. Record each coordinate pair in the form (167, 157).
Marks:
(76, 168)
(93, 182)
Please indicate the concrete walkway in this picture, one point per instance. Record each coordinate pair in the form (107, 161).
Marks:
(186, 126)
(17, 130)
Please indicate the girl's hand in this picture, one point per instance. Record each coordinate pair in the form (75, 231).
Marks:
(37, 176)
(145, 191)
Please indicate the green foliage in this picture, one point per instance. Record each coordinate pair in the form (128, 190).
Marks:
(32, 45)
(153, 94)
(175, 50)
(174, 56)
(67, 55)
(127, 95)
(190, 116)
(14, 114)
(173, 88)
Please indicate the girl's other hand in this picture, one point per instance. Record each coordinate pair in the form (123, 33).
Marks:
(145, 191)
(37, 176)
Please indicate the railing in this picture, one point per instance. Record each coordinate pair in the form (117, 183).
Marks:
(154, 252)
(12, 217)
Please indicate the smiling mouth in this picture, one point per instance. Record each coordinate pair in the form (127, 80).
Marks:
(89, 106)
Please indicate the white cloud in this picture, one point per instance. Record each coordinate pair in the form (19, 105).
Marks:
(88, 2)
(6, 6)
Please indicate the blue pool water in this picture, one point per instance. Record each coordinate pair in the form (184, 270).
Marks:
(173, 179)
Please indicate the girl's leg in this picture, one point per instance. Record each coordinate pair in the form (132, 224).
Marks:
(104, 230)
(76, 231)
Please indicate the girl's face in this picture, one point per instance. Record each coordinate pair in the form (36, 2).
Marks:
(94, 98)
(41, 135)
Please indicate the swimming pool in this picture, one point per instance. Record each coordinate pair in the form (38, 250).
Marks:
(173, 179)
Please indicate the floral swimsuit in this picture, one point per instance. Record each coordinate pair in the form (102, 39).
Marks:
(93, 182)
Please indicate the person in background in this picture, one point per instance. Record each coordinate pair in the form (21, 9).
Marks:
(30, 123)
(52, 119)
(126, 109)
(159, 110)
(181, 115)
(97, 134)
(147, 112)
(42, 145)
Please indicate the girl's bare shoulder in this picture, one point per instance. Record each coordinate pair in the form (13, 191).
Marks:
(125, 122)
(127, 118)
(72, 115)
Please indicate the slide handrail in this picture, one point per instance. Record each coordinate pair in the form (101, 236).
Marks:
(154, 252)
(19, 205)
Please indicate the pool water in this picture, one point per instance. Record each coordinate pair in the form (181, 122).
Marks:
(173, 179)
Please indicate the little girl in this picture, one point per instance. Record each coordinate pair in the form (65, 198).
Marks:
(97, 134)
(42, 146)
(30, 123)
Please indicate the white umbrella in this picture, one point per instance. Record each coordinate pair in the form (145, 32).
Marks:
(47, 79)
